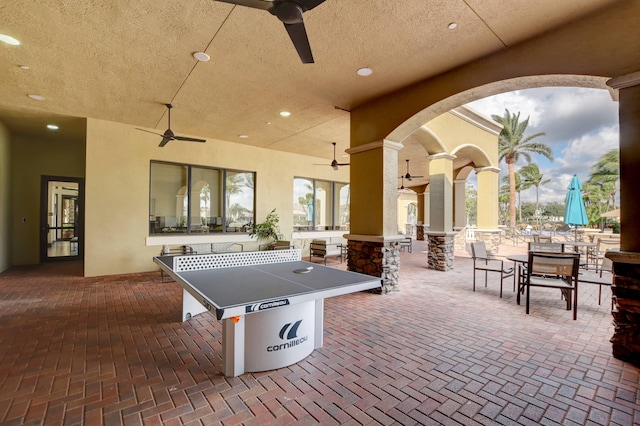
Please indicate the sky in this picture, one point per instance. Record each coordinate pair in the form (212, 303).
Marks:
(580, 126)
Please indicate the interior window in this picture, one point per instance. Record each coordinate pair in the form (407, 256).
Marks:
(188, 199)
(320, 205)
(168, 195)
(240, 193)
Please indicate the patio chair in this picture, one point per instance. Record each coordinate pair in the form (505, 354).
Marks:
(537, 238)
(553, 270)
(602, 277)
(482, 261)
(547, 247)
(604, 245)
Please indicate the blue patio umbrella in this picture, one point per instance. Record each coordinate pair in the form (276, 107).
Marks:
(574, 212)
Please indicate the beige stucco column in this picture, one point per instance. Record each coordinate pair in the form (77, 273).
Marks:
(440, 235)
(488, 202)
(459, 203)
(626, 263)
(423, 213)
(373, 242)
(488, 207)
(628, 87)
(441, 190)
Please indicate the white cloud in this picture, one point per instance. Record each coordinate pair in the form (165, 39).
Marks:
(580, 126)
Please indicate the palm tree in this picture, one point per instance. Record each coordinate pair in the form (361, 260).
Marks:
(519, 188)
(532, 177)
(513, 144)
(607, 169)
(601, 186)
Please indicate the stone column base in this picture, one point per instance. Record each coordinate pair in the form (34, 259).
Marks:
(441, 254)
(377, 258)
(626, 314)
(492, 239)
(420, 232)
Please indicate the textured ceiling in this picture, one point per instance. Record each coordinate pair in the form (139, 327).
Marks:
(122, 60)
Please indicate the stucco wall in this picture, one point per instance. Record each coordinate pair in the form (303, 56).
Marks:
(32, 158)
(117, 191)
(5, 192)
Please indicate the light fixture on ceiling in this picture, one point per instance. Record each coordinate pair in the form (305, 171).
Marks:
(285, 113)
(36, 97)
(24, 67)
(9, 40)
(201, 56)
(243, 136)
(452, 26)
(364, 72)
(52, 127)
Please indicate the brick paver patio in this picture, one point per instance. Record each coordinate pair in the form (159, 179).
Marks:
(111, 350)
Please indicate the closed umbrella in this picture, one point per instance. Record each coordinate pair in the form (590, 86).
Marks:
(574, 212)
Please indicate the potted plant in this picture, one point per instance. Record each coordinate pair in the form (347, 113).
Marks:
(268, 231)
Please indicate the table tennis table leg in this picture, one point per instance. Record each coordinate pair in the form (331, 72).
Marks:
(233, 347)
(318, 332)
(190, 306)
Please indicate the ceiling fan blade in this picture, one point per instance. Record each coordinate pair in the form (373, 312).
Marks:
(256, 4)
(415, 177)
(148, 131)
(342, 164)
(308, 4)
(165, 140)
(298, 35)
(186, 139)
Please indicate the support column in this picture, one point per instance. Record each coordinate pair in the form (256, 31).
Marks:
(441, 190)
(440, 235)
(373, 242)
(488, 208)
(423, 214)
(459, 203)
(626, 263)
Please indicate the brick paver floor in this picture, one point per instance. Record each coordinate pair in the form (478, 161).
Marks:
(111, 350)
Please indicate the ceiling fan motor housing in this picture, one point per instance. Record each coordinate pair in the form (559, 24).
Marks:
(289, 13)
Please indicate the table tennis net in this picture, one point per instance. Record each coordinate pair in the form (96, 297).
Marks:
(200, 262)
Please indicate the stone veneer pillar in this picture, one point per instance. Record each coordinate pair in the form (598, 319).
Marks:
(420, 232)
(441, 250)
(491, 238)
(626, 312)
(377, 258)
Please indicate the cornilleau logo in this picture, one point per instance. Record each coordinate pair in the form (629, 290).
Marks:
(266, 305)
(288, 332)
(293, 330)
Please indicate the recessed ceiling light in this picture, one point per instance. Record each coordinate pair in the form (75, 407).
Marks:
(243, 136)
(201, 56)
(9, 40)
(452, 26)
(52, 127)
(365, 72)
(285, 113)
(37, 97)
(24, 67)
(267, 123)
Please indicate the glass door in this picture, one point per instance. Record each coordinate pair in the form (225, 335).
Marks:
(61, 219)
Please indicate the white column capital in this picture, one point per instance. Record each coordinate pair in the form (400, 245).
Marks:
(624, 81)
(442, 156)
(487, 169)
(375, 145)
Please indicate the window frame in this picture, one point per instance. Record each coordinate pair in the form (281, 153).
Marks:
(189, 228)
(336, 187)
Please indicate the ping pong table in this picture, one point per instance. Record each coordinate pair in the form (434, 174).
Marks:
(270, 303)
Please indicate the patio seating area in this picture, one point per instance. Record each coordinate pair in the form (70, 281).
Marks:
(112, 350)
